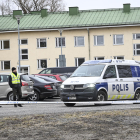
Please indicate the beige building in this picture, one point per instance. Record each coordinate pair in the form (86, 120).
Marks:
(87, 35)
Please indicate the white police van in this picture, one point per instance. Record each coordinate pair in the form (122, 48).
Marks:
(102, 80)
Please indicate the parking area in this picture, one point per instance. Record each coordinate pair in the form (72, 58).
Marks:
(56, 108)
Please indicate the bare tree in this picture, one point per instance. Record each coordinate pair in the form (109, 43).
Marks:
(37, 5)
(56, 5)
(5, 7)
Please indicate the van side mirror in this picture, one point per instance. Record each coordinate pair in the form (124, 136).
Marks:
(109, 75)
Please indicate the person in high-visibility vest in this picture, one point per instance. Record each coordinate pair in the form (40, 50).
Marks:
(15, 84)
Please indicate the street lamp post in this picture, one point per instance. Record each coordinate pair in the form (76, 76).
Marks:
(60, 31)
(18, 17)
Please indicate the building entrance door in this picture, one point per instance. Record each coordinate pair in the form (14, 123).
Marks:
(24, 69)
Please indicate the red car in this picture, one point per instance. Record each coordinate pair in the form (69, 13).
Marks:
(58, 77)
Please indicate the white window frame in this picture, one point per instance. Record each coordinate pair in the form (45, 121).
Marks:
(95, 42)
(135, 36)
(2, 47)
(76, 60)
(115, 39)
(134, 46)
(96, 58)
(57, 61)
(115, 57)
(39, 61)
(2, 65)
(39, 43)
(75, 40)
(23, 54)
(57, 38)
(23, 39)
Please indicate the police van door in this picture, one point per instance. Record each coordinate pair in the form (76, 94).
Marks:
(111, 78)
(126, 85)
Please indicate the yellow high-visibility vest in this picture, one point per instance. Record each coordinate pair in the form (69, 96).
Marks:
(15, 79)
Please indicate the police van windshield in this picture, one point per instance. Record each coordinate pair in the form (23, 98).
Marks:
(89, 71)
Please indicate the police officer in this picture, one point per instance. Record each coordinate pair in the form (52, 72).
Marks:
(15, 84)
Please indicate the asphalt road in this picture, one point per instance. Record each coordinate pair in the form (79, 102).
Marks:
(29, 109)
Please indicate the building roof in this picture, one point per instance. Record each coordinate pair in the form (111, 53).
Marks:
(85, 18)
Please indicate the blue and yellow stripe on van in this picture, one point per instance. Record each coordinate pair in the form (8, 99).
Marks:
(117, 97)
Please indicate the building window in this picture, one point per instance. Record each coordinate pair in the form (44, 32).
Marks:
(4, 44)
(136, 36)
(99, 58)
(41, 43)
(118, 39)
(79, 41)
(42, 63)
(5, 65)
(23, 41)
(57, 62)
(118, 57)
(136, 49)
(24, 54)
(58, 42)
(98, 40)
(79, 61)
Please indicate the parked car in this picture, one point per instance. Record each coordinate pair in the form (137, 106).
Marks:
(58, 77)
(56, 83)
(59, 70)
(42, 89)
(7, 93)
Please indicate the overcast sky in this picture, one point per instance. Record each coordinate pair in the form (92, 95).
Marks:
(96, 4)
(100, 4)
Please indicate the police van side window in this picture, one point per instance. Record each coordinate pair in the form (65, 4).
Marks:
(110, 72)
(124, 71)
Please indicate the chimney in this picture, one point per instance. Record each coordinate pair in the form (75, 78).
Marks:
(44, 12)
(73, 11)
(17, 12)
(34, 12)
(126, 7)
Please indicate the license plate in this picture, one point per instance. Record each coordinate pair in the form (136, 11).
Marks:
(71, 98)
(31, 86)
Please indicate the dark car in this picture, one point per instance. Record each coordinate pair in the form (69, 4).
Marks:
(56, 83)
(42, 89)
(59, 70)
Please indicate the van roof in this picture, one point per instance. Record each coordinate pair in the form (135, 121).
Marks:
(90, 62)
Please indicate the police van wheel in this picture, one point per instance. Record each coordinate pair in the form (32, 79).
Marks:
(101, 96)
(137, 95)
(69, 104)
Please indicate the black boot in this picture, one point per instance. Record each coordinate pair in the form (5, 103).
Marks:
(15, 105)
(20, 105)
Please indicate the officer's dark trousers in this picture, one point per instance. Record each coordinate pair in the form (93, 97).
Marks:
(17, 92)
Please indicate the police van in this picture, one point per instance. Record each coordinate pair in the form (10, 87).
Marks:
(102, 80)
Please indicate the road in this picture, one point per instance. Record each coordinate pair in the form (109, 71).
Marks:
(29, 109)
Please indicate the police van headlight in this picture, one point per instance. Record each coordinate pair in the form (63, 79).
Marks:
(62, 86)
(88, 85)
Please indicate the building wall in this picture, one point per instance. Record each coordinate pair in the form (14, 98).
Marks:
(108, 50)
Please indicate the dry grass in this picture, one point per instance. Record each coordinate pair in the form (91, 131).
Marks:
(108, 125)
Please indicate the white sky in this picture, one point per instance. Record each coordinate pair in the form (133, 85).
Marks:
(100, 4)
(95, 4)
